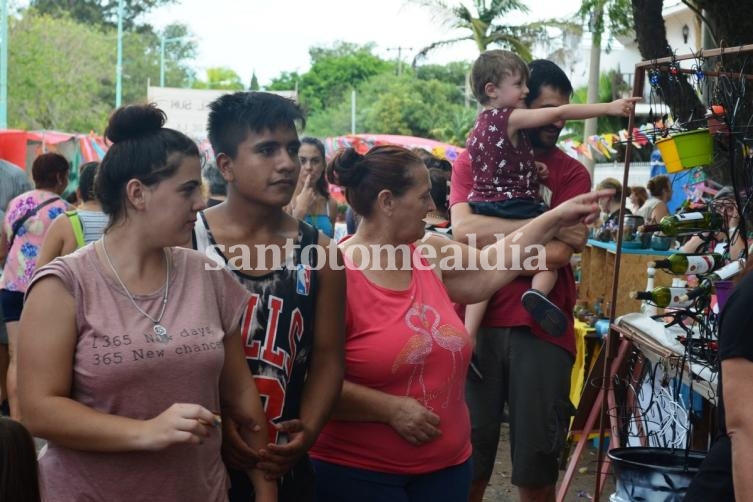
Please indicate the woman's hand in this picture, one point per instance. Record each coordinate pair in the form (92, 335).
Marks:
(236, 452)
(581, 209)
(180, 423)
(305, 199)
(414, 422)
(278, 459)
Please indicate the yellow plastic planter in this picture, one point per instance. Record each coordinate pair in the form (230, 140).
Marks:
(685, 150)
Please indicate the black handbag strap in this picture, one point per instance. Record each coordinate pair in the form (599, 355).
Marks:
(20, 222)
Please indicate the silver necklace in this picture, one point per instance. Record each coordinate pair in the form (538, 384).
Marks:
(159, 330)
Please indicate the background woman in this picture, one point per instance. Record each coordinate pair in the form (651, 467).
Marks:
(655, 208)
(401, 429)
(27, 220)
(81, 226)
(311, 201)
(130, 347)
(638, 197)
(610, 209)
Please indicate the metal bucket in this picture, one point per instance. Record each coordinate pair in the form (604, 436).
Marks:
(653, 474)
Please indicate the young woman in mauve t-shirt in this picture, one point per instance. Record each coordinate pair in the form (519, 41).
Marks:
(130, 347)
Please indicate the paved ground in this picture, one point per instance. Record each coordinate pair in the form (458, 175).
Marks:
(581, 489)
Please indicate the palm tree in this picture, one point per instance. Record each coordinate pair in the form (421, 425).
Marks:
(614, 14)
(479, 22)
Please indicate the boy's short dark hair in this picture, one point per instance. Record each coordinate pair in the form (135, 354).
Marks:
(233, 116)
(491, 67)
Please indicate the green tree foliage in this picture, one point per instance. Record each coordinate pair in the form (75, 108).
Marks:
(335, 71)
(405, 105)
(611, 87)
(141, 45)
(452, 73)
(180, 50)
(285, 82)
(141, 62)
(62, 72)
(254, 84)
(482, 23)
(612, 16)
(455, 128)
(59, 73)
(220, 78)
(334, 121)
(427, 103)
(99, 13)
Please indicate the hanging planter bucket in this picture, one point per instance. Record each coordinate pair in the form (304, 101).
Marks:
(685, 150)
(653, 474)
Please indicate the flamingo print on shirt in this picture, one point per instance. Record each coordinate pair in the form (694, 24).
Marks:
(423, 321)
(450, 338)
(418, 346)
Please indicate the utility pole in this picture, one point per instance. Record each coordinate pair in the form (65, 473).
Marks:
(119, 65)
(162, 41)
(353, 111)
(399, 50)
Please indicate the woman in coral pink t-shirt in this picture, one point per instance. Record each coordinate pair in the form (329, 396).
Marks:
(401, 430)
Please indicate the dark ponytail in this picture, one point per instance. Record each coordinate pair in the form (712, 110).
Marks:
(143, 149)
(364, 176)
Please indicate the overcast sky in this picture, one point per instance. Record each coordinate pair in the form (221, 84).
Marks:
(272, 36)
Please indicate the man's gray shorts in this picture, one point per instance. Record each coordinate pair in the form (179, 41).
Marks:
(533, 377)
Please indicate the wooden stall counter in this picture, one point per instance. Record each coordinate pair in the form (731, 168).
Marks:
(597, 271)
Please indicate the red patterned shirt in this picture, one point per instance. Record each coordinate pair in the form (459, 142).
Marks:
(501, 169)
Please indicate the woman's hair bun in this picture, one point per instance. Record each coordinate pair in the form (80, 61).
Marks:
(133, 121)
(346, 169)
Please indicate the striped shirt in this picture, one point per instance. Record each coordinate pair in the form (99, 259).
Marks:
(93, 223)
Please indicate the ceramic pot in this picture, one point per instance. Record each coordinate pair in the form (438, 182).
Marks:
(661, 242)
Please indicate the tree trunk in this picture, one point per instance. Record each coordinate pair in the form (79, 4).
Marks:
(650, 31)
(677, 93)
(732, 25)
(730, 20)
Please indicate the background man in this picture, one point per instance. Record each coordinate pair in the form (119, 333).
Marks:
(515, 357)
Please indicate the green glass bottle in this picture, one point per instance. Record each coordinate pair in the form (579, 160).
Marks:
(663, 296)
(697, 264)
(704, 288)
(687, 223)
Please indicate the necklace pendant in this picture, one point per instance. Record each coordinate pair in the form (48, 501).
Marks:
(161, 333)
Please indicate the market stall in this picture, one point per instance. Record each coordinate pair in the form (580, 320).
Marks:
(654, 384)
(22, 147)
